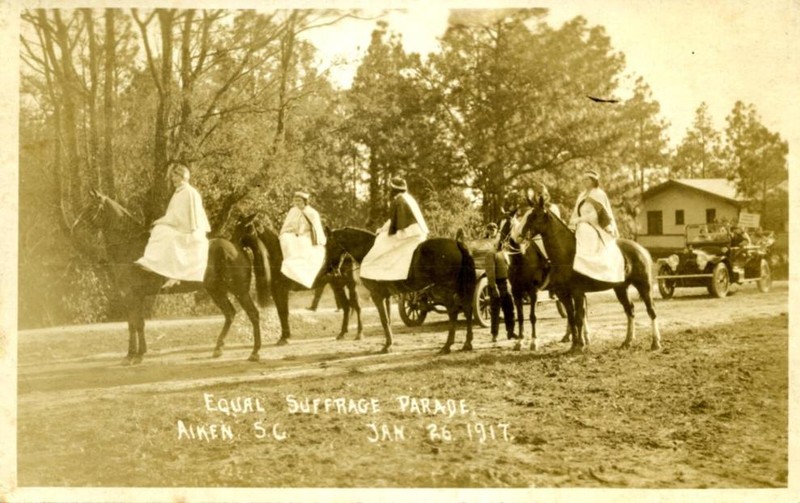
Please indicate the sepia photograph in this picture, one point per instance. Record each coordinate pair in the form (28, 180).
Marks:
(533, 248)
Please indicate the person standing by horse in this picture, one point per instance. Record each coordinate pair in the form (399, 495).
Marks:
(302, 239)
(389, 259)
(496, 266)
(597, 254)
(178, 245)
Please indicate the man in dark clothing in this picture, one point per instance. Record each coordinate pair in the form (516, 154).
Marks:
(496, 266)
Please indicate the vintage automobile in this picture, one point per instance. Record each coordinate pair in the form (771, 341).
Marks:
(414, 307)
(714, 258)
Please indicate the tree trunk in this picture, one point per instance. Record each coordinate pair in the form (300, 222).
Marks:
(287, 50)
(93, 132)
(107, 181)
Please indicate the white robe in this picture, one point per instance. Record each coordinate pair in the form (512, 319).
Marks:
(178, 246)
(597, 254)
(389, 259)
(302, 257)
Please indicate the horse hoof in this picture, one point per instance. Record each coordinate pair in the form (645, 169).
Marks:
(127, 361)
(576, 350)
(518, 346)
(136, 360)
(217, 353)
(358, 337)
(566, 338)
(282, 341)
(655, 347)
(385, 350)
(445, 350)
(466, 347)
(625, 345)
(340, 337)
(534, 346)
(253, 357)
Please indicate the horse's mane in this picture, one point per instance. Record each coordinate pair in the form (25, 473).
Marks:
(353, 229)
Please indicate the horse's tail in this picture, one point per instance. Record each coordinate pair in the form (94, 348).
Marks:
(260, 268)
(467, 277)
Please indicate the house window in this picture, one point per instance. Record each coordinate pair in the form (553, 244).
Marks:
(655, 223)
(711, 215)
(678, 217)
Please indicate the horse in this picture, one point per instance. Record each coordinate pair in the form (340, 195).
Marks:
(571, 287)
(228, 271)
(443, 268)
(267, 266)
(341, 266)
(528, 272)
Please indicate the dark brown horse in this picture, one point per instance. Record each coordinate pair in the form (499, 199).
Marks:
(258, 235)
(444, 268)
(228, 271)
(571, 287)
(528, 272)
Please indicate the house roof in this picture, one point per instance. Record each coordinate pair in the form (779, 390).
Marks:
(717, 187)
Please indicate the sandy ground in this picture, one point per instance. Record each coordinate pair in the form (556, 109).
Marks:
(709, 410)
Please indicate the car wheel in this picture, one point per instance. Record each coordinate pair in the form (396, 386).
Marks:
(666, 287)
(412, 309)
(481, 305)
(765, 283)
(720, 281)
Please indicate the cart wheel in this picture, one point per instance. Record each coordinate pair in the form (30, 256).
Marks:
(720, 281)
(412, 309)
(481, 305)
(560, 308)
(765, 283)
(666, 287)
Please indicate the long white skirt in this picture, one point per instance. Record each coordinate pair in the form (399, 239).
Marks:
(175, 254)
(302, 261)
(389, 259)
(597, 254)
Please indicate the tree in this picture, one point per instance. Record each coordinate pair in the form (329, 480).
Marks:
(757, 156)
(700, 153)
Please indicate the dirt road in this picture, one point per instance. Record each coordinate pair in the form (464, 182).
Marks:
(708, 410)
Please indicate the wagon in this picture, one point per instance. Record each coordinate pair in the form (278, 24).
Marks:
(415, 306)
(711, 259)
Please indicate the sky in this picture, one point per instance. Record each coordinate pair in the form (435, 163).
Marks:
(687, 51)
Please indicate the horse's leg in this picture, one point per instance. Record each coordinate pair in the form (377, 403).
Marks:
(388, 301)
(133, 331)
(521, 314)
(341, 300)
(534, 340)
(566, 301)
(355, 305)
(281, 297)
(627, 305)
(139, 323)
(645, 292)
(380, 304)
(466, 304)
(220, 298)
(578, 340)
(452, 314)
(586, 319)
(252, 312)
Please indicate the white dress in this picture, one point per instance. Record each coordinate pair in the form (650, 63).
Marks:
(389, 259)
(597, 254)
(303, 255)
(178, 246)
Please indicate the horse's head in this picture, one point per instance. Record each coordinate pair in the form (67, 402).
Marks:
(104, 213)
(538, 219)
(246, 226)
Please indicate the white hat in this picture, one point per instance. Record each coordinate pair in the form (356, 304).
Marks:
(398, 183)
(592, 174)
(302, 195)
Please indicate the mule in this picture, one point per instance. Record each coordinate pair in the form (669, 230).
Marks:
(444, 268)
(571, 287)
(228, 271)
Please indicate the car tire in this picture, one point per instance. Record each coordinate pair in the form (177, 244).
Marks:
(765, 282)
(720, 281)
(411, 310)
(481, 303)
(666, 287)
